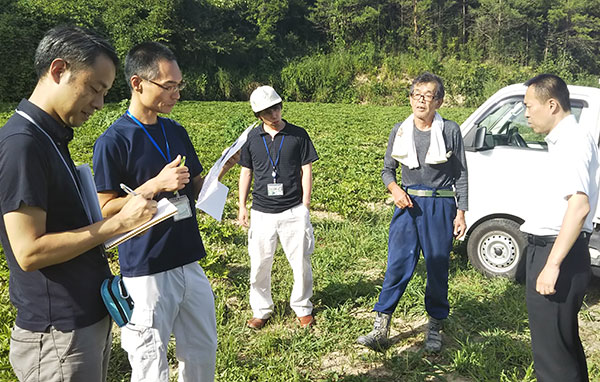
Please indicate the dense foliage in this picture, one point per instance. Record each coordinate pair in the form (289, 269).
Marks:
(325, 50)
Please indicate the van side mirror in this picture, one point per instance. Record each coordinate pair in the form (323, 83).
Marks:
(480, 142)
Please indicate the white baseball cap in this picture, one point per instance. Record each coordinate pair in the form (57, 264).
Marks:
(263, 97)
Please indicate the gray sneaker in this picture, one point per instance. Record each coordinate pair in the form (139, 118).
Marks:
(377, 339)
(433, 338)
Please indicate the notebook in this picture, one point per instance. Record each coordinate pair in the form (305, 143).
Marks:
(166, 209)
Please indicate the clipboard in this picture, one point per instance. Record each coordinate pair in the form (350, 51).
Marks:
(166, 209)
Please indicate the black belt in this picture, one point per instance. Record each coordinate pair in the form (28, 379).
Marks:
(542, 241)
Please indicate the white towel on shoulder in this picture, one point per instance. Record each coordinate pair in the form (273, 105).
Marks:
(404, 150)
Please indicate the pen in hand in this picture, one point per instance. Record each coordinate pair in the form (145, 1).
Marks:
(128, 190)
(181, 164)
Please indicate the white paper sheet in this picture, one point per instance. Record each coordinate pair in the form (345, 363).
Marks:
(166, 209)
(214, 193)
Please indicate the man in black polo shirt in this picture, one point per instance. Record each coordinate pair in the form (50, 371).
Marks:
(62, 330)
(280, 155)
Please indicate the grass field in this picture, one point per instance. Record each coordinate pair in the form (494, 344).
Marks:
(486, 336)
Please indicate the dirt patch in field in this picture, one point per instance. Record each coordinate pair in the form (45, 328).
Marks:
(456, 378)
(405, 335)
(347, 366)
(325, 215)
(380, 206)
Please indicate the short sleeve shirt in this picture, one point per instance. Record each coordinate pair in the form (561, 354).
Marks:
(572, 167)
(296, 151)
(125, 154)
(32, 173)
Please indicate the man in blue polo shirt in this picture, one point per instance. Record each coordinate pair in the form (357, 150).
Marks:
(160, 268)
(280, 157)
(62, 330)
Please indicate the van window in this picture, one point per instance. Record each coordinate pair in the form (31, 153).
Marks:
(506, 125)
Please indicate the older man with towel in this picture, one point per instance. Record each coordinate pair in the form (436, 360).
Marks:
(434, 183)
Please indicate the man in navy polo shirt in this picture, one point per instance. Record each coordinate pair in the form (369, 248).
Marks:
(280, 157)
(62, 330)
(160, 268)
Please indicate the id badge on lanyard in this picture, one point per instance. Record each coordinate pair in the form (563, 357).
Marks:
(181, 202)
(274, 189)
(183, 207)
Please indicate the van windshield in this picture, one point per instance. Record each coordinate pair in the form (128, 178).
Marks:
(506, 125)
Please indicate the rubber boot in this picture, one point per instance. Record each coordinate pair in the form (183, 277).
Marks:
(433, 338)
(377, 339)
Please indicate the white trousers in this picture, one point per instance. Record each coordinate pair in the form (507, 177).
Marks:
(178, 301)
(295, 232)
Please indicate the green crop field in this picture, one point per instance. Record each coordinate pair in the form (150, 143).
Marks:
(486, 336)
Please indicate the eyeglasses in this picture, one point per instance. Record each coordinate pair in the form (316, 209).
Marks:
(427, 97)
(171, 88)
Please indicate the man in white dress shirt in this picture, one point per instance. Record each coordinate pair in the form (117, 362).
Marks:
(559, 227)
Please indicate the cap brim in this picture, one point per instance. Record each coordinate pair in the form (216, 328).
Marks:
(274, 102)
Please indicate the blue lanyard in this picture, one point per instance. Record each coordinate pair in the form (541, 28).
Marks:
(274, 173)
(152, 139)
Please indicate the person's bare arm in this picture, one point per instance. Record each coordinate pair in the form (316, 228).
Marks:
(401, 198)
(307, 183)
(577, 210)
(460, 226)
(197, 182)
(111, 203)
(34, 248)
(235, 158)
(244, 189)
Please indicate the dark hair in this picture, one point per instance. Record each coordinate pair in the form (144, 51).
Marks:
(257, 113)
(429, 77)
(143, 59)
(79, 47)
(548, 86)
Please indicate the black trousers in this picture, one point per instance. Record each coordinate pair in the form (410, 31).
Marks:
(557, 351)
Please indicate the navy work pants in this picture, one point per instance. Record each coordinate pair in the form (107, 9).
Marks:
(557, 351)
(427, 226)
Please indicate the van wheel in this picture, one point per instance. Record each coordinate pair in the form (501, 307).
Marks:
(497, 248)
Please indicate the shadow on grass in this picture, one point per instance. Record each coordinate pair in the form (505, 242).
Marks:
(592, 296)
(118, 367)
(485, 336)
(238, 273)
(339, 293)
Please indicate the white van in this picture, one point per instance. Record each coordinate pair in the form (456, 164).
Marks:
(502, 153)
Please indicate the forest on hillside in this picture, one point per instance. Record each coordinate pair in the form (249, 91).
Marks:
(350, 51)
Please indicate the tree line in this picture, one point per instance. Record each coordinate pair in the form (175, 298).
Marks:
(324, 50)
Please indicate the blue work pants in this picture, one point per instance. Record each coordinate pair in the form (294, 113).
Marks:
(427, 226)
